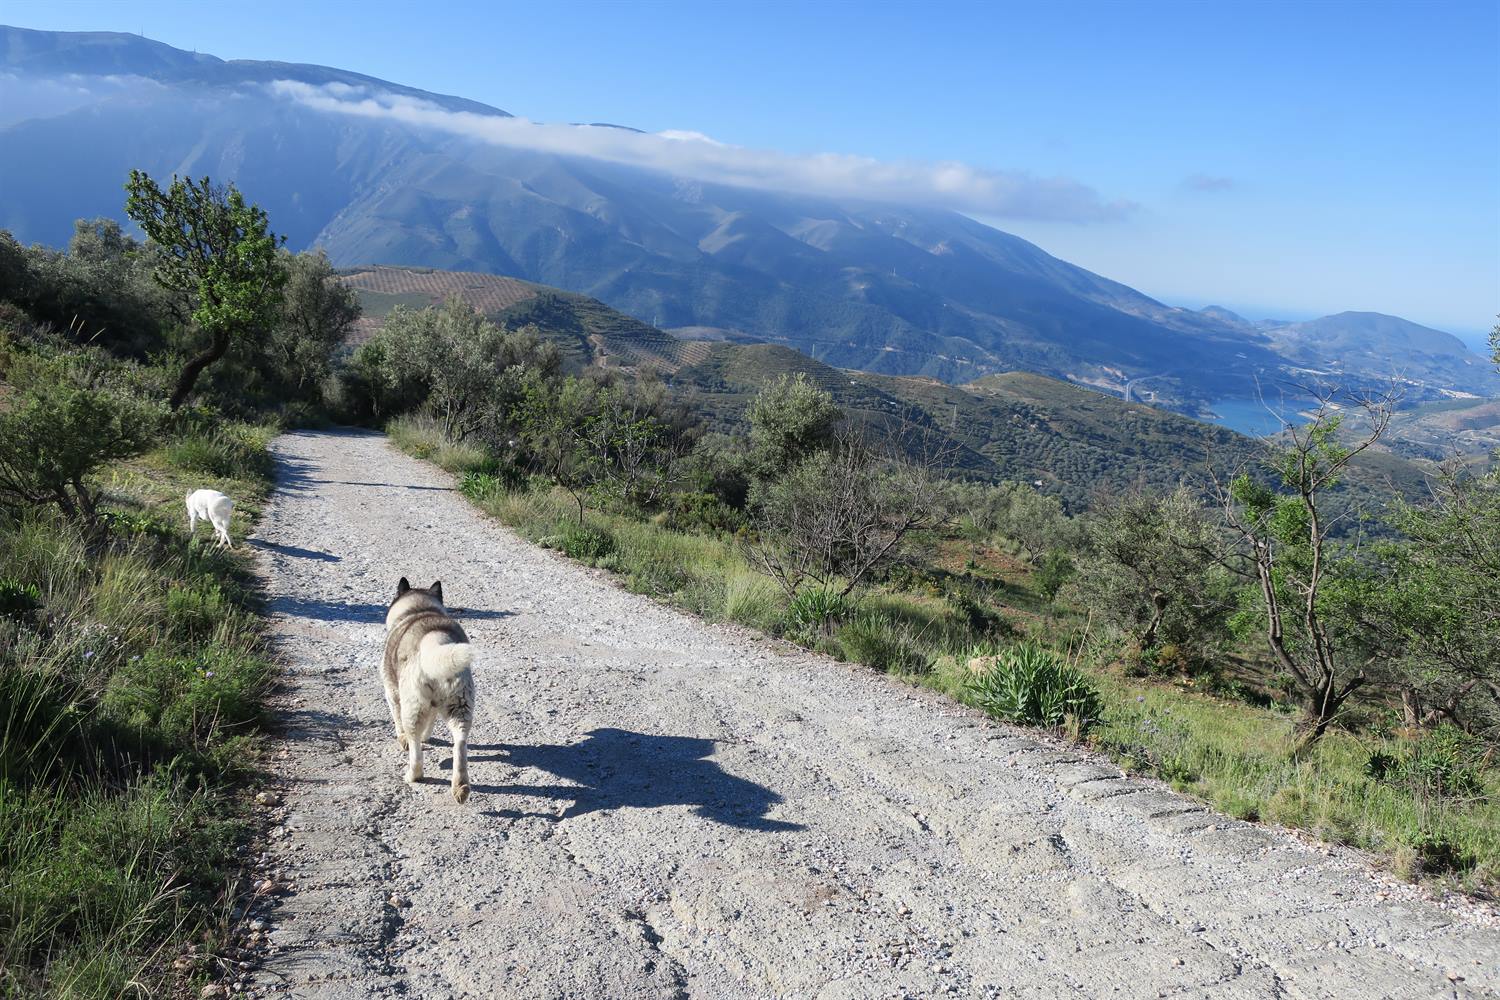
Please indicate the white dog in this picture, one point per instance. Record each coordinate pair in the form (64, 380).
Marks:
(213, 507)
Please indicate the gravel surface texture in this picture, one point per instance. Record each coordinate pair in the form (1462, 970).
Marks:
(667, 808)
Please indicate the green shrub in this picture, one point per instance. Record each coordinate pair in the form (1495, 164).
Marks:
(490, 480)
(883, 643)
(750, 599)
(976, 617)
(704, 512)
(227, 453)
(585, 542)
(17, 598)
(819, 608)
(479, 486)
(1031, 685)
(1438, 853)
(1444, 762)
(1055, 569)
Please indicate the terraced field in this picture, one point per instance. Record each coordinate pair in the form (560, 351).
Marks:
(382, 288)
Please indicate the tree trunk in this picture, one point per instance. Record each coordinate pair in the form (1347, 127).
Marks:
(1159, 610)
(190, 371)
(1411, 708)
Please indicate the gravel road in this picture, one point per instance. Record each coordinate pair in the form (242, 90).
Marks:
(666, 808)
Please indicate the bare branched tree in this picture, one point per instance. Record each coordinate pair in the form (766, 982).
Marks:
(1283, 545)
(841, 513)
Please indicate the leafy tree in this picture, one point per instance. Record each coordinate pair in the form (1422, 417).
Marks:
(15, 271)
(632, 450)
(99, 290)
(1033, 521)
(549, 416)
(446, 357)
(217, 256)
(717, 467)
(790, 418)
(840, 514)
(316, 316)
(1430, 603)
(1053, 571)
(55, 433)
(1283, 544)
(459, 366)
(1148, 568)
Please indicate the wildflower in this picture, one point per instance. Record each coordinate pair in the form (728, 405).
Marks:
(208, 673)
(89, 655)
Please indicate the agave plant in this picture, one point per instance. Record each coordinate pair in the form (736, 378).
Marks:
(1028, 683)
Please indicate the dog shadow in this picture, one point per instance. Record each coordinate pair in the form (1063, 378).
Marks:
(294, 551)
(391, 486)
(362, 611)
(618, 769)
(327, 611)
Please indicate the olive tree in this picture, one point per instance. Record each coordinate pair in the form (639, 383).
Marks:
(316, 315)
(1430, 601)
(1148, 567)
(447, 358)
(54, 433)
(841, 513)
(216, 255)
(790, 418)
(1285, 545)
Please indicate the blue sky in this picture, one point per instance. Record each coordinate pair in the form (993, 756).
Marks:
(1284, 159)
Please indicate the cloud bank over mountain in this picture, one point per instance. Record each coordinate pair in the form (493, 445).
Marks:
(948, 184)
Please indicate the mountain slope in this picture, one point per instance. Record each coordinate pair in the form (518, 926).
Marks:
(879, 287)
(1073, 442)
(1372, 342)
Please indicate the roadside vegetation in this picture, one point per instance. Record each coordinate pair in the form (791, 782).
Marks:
(132, 670)
(1255, 638)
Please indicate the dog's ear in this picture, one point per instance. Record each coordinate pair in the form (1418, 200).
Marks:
(437, 590)
(402, 587)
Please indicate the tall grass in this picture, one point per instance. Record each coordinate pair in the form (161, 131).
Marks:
(130, 690)
(423, 437)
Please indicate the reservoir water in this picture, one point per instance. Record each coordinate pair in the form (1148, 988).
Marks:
(1257, 417)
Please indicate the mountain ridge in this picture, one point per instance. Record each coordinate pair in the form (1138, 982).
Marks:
(859, 284)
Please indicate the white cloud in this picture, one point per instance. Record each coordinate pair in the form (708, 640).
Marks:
(1009, 194)
(23, 97)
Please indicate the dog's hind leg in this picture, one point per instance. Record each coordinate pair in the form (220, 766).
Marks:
(412, 722)
(393, 702)
(460, 730)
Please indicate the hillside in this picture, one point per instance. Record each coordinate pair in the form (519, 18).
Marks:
(872, 286)
(380, 289)
(1376, 344)
(1072, 441)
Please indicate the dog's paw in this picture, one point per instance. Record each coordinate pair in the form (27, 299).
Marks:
(461, 792)
(401, 742)
(413, 777)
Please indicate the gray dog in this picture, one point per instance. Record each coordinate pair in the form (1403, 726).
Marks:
(427, 675)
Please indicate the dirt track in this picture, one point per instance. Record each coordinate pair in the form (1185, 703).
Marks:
(664, 808)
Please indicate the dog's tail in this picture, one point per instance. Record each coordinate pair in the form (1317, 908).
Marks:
(447, 660)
